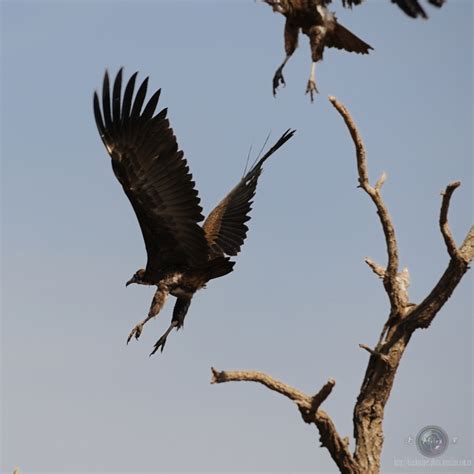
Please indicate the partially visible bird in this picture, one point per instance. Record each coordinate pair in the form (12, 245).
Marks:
(411, 7)
(182, 255)
(321, 26)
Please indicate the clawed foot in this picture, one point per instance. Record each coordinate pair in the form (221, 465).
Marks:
(159, 344)
(136, 331)
(311, 89)
(162, 340)
(278, 80)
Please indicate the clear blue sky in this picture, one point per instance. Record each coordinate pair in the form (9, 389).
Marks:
(74, 397)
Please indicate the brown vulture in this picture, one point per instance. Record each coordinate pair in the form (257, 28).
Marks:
(322, 28)
(182, 255)
(411, 7)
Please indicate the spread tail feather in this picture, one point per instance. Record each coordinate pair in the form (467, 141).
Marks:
(342, 38)
(219, 266)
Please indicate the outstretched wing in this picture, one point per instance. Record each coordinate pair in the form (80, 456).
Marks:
(153, 174)
(414, 9)
(410, 7)
(225, 227)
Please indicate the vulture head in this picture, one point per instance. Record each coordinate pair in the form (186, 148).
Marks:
(138, 278)
(279, 6)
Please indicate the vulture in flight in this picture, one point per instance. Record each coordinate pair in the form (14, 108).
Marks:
(411, 7)
(182, 255)
(322, 28)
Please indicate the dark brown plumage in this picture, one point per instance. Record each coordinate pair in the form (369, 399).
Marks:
(411, 7)
(323, 30)
(182, 255)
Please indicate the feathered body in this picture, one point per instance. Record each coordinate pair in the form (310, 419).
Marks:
(182, 255)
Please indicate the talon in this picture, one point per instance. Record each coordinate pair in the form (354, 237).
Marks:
(160, 343)
(311, 89)
(278, 80)
(136, 331)
(162, 340)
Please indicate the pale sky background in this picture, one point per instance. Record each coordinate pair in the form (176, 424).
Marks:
(75, 397)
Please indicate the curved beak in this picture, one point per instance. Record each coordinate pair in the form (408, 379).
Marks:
(275, 4)
(129, 282)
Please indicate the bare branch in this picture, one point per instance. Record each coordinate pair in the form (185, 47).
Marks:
(443, 218)
(405, 317)
(338, 447)
(309, 414)
(309, 409)
(298, 397)
(380, 181)
(466, 251)
(358, 142)
(305, 402)
(422, 315)
(390, 277)
(375, 353)
(403, 279)
(322, 394)
(376, 268)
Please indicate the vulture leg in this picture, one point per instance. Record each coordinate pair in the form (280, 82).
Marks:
(162, 340)
(291, 43)
(278, 78)
(311, 87)
(179, 313)
(156, 305)
(317, 41)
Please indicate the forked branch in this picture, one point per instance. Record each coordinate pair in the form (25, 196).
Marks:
(394, 292)
(301, 399)
(443, 218)
(404, 318)
(308, 407)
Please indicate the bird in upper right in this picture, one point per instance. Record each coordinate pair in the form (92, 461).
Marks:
(411, 7)
(321, 26)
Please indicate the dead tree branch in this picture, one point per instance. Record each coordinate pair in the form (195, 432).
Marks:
(392, 288)
(377, 354)
(302, 400)
(308, 407)
(422, 315)
(404, 318)
(443, 218)
(376, 268)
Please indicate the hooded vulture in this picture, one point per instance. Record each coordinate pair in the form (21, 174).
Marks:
(182, 254)
(322, 28)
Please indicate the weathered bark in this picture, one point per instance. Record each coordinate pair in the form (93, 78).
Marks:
(404, 318)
